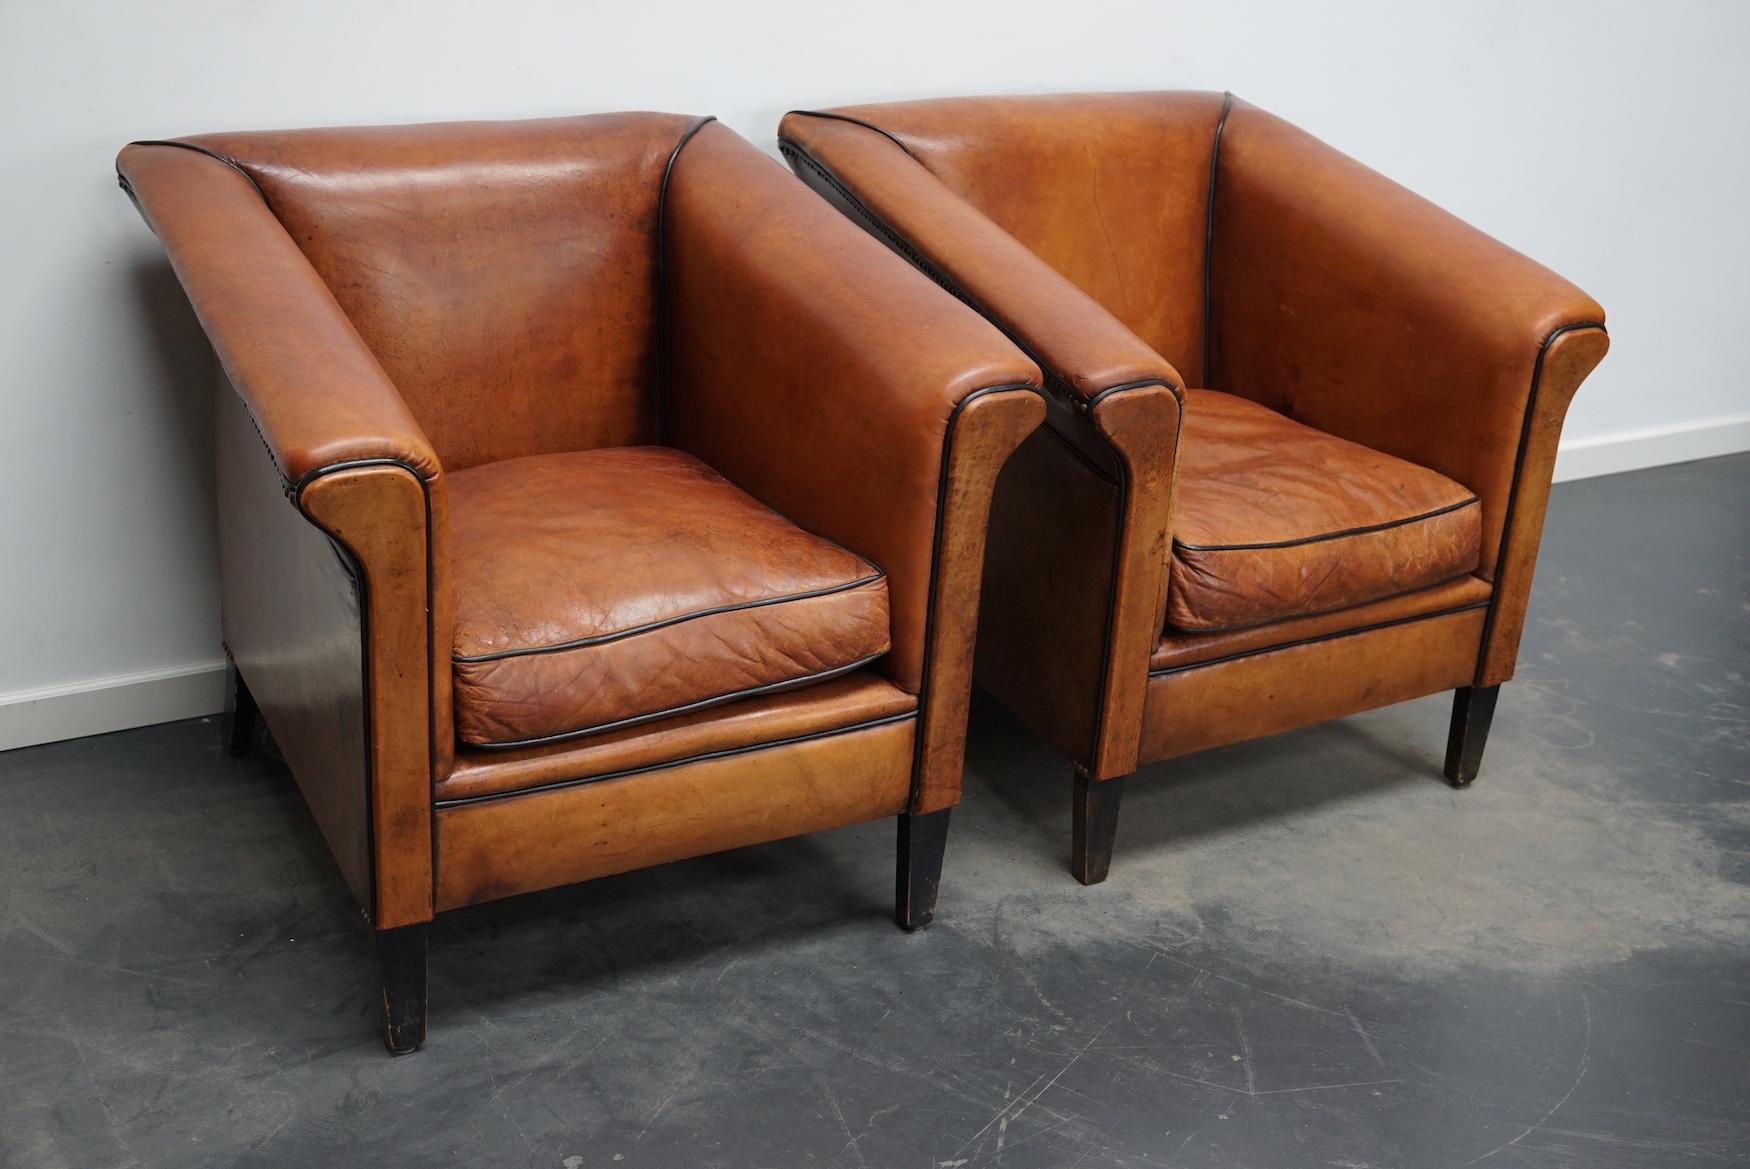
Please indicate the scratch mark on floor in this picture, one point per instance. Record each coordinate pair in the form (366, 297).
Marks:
(1366, 1039)
(1579, 1074)
(851, 1139)
(1029, 1097)
(1245, 1053)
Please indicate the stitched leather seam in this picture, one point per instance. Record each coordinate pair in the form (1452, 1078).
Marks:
(1227, 101)
(1264, 649)
(1317, 612)
(1341, 534)
(684, 708)
(666, 622)
(702, 757)
(1499, 581)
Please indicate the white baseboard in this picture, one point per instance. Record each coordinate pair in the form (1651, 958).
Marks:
(1654, 446)
(99, 705)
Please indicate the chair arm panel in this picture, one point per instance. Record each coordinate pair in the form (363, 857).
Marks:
(325, 614)
(1360, 308)
(316, 393)
(1083, 349)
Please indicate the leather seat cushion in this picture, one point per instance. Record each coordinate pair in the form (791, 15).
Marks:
(1276, 520)
(596, 589)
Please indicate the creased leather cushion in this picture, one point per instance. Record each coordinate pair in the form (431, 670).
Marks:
(600, 588)
(1277, 520)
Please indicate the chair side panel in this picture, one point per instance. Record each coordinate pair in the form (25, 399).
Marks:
(291, 621)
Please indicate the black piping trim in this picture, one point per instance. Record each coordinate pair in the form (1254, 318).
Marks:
(702, 757)
(1518, 471)
(1322, 537)
(924, 676)
(860, 122)
(1227, 101)
(1316, 612)
(659, 356)
(1264, 649)
(1137, 385)
(686, 708)
(213, 154)
(635, 630)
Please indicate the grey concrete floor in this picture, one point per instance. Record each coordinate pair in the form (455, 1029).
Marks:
(1311, 952)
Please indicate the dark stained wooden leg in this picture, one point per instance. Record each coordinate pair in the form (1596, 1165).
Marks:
(238, 725)
(922, 840)
(1096, 824)
(1473, 708)
(401, 960)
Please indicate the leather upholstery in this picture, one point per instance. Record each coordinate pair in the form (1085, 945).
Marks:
(293, 624)
(1125, 239)
(598, 588)
(657, 377)
(1278, 520)
(536, 840)
(1107, 189)
(857, 699)
(1248, 696)
(1177, 649)
(503, 273)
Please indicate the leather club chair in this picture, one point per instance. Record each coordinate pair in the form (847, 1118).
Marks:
(1300, 422)
(591, 496)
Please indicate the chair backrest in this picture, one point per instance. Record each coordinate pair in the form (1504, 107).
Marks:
(1112, 190)
(504, 273)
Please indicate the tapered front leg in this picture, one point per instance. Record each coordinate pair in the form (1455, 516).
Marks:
(401, 959)
(238, 725)
(1095, 826)
(1473, 708)
(922, 841)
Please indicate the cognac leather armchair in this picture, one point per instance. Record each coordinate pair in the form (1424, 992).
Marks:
(1301, 423)
(578, 509)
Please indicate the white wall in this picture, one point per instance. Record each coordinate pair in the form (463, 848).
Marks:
(1607, 139)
